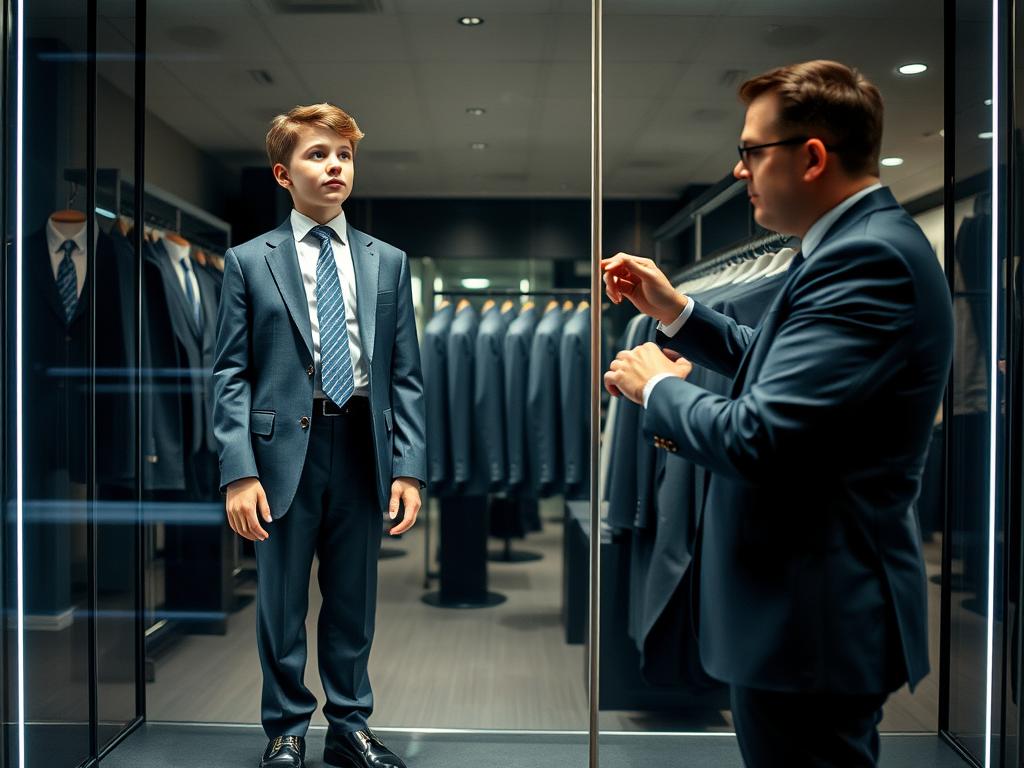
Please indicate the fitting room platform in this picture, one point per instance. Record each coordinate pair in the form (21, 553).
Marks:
(160, 745)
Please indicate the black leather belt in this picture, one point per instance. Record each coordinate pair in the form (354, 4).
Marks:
(323, 406)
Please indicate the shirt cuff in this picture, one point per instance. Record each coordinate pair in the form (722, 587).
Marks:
(676, 325)
(649, 387)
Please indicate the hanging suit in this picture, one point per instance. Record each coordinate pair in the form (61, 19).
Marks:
(543, 403)
(488, 396)
(574, 377)
(470, 476)
(518, 345)
(435, 395)
(830, 596)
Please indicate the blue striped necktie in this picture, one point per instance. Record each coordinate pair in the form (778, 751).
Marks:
(67, 281)
(338, 381)
(190, 294)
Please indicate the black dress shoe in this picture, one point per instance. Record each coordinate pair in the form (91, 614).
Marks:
(359, 749)
(284, 752)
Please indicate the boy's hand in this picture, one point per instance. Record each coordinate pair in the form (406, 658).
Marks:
(404, 491)
(245, 499)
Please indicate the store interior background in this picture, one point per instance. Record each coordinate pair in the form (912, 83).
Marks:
(477, 163)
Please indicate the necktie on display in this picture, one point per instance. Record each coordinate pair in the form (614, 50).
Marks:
(67, 281)
(190, 294)
(338, 379)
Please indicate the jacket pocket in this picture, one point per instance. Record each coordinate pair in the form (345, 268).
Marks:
(387, 420)
(262, 422)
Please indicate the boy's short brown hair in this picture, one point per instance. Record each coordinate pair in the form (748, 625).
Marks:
(831, 101)
(284, 129)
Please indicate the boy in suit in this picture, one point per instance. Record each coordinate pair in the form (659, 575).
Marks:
(318, 414)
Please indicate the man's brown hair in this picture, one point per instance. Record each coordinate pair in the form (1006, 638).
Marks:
(830, 101)
(284, 129)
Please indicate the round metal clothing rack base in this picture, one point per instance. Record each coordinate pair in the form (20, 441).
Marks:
(514, 556)
(492, 599)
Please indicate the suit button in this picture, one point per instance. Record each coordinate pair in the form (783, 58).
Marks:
(304, 422)
(309, 371)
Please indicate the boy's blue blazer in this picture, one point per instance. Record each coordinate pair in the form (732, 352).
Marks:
(263, 371)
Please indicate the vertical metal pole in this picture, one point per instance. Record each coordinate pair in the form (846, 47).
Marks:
(596, 194)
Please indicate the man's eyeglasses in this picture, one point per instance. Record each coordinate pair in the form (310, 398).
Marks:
(744, 152)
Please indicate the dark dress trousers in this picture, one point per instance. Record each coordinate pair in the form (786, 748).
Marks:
(810, 569)
(327, 479)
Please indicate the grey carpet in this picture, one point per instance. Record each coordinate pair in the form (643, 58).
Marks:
(171, 746)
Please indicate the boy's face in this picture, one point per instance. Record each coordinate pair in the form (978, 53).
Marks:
(319, 176)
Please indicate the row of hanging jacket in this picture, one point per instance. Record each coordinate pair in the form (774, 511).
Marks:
(63, 278)
(653, 498)
(507, 399)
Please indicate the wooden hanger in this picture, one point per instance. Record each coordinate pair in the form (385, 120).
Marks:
(463, 303)
(200, 257)
(177, 239)
(553, 304)
(583, 305)
(528, 305)
(67, 216)
(567, 306)
(444, 303)
(488, 305)
(507, 306)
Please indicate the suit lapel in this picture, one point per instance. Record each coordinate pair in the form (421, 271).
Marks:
(367, 269)
(283, 260)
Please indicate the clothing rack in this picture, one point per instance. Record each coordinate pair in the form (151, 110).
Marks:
(715, 262)
(511, 292)
(116, 197)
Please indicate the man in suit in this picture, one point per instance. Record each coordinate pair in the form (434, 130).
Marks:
(811, 596)
(319, 416)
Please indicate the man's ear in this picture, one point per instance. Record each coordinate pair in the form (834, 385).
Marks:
(817, 159)
(281, 174)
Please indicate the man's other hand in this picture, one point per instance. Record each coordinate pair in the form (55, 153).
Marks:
(646, 286)
(245, 505)
(404, 491)
(631, 370)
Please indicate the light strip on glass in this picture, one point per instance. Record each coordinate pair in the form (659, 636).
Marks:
(18, 371)
(993, 388)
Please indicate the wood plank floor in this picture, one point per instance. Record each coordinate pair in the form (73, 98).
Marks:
(506, 667)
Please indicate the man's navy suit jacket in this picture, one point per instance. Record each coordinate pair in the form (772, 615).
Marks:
(263, 382)
(810, 568)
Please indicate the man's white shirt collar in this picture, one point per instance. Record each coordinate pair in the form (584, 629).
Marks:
(820, 228)
(302, 225)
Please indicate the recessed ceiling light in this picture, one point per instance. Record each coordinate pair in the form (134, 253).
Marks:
(471, 21)
(988, 102)
(985, 135)
(476, 111)
(476, 283)
(913, 69)
(478, 145)
(892, 162)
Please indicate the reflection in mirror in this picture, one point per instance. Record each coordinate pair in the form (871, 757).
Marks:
(673, 121)
(464, 254)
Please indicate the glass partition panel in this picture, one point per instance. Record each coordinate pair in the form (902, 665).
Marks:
(116, 370)
(59, 290)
